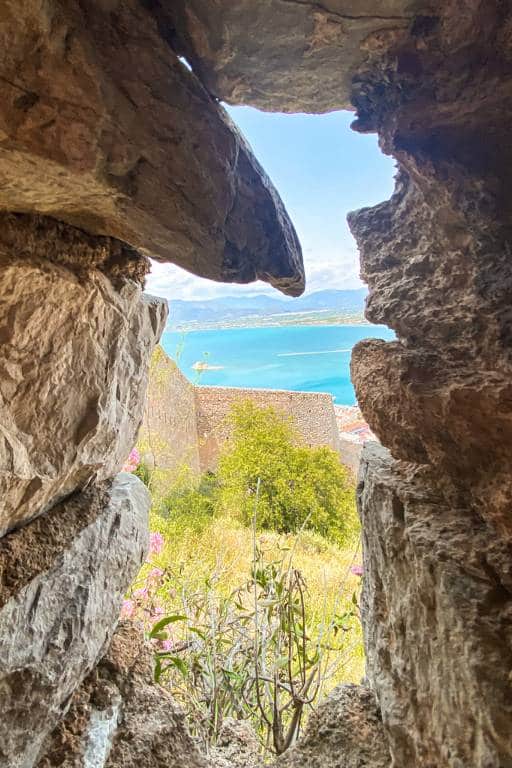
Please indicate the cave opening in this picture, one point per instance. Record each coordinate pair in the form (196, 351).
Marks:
(113, 147)
(231, 347)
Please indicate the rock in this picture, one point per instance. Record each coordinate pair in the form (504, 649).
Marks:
(75, 347)
(437, 616)
(237, 746)
(302, 58)
(436, 255)
(102, 126)
(345, 732)
(444, 391)
(148, 730)
(62, 580)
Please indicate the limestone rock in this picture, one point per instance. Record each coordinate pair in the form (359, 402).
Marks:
(75, 348)
(236, 747)
(284, 55)
(62, 580)
(437, 615)
(345, 732)
(436, 255)
(148, 729)
(102, 126)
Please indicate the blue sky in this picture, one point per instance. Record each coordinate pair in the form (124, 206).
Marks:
(322, 170)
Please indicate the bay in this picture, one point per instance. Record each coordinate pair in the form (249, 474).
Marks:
(309, 358)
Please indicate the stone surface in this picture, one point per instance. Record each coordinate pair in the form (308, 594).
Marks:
(436, 256)
(168, 436)
(62, 581)
(150, 732)
(284, 55)
(237, 746)
(437, 615)
(75, 346)
(102, 126)
(312, 413)
(345, 732)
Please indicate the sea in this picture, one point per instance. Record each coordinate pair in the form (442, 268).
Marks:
(309, 358)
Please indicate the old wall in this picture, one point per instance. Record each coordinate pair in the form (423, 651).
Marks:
(187, 425)
(168, 435)
(313, 413)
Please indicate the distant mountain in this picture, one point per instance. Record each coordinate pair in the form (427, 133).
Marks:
(252, 310)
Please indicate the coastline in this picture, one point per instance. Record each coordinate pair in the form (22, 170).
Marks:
(205, 327)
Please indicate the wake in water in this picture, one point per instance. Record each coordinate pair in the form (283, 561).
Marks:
(317, 352)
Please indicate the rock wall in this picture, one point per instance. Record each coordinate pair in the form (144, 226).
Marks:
(119, 718)
(62, 581)
(437, 614)
(77, 334)
(104, 127)
(345, 731)
(76, 343)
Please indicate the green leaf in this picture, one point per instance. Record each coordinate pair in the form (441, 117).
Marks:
(181, 665)
(164, 622)
(158, 670)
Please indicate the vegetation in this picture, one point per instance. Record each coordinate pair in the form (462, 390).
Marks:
(250, 592)
(300, 486)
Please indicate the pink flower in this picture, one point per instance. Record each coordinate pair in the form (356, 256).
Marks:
(127, 609)
(156, 543)
(166, 645)
(155, 574)
(357, 570)
(141, 594)
(132, 462)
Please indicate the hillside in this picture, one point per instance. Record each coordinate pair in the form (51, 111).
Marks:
(319, 307)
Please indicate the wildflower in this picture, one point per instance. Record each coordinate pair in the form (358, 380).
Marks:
(132, 462)
(127, 609)
(155, 574)
(166, 645)
(141, 594)
(156, 543)
(357, 570)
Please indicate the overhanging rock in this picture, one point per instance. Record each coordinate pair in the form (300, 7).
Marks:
(102, 126)
(284, 55)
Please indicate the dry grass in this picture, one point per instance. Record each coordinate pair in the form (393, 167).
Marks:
(219, 551)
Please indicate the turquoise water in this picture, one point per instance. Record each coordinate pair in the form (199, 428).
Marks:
(311, 358)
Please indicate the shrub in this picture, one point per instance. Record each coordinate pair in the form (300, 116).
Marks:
(298, 485)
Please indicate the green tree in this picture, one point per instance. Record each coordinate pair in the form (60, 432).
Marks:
(299, 486)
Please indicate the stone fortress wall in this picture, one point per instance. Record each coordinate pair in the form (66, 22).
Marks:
(168, 435)
(313, 413)
(186, 424)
